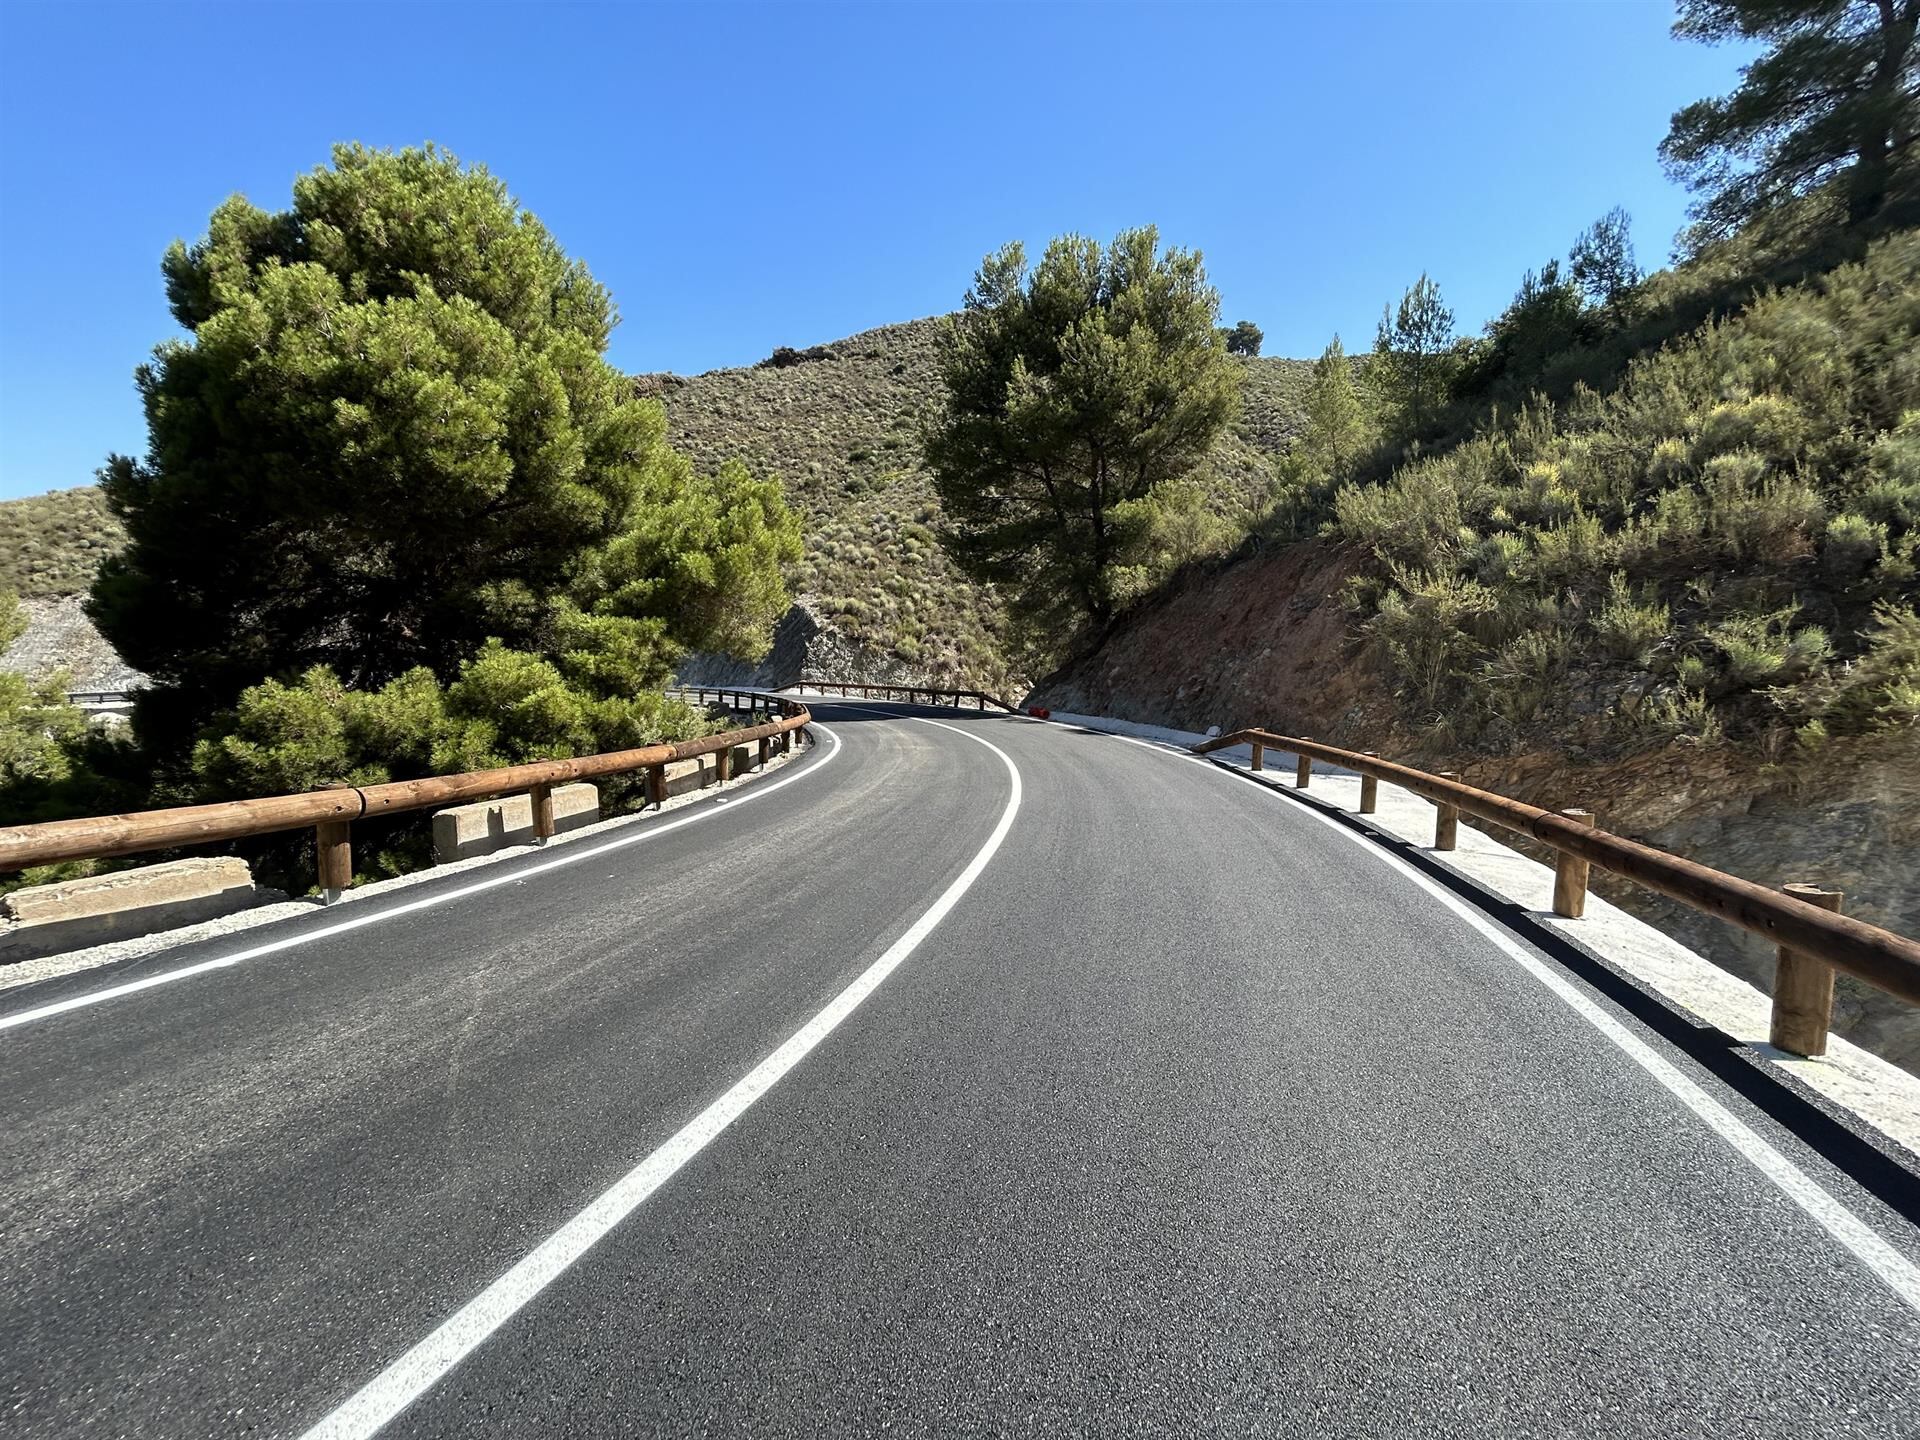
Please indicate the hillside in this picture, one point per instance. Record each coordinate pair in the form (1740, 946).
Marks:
(51, 544)
(839, 425)
(1688, 603)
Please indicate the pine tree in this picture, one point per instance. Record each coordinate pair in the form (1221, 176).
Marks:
(1073, 390)
(1412, 359)
(1836, 96)
(389, 436)
(1337, 430)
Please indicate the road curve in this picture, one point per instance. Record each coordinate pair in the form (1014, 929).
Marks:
(1171, 1111)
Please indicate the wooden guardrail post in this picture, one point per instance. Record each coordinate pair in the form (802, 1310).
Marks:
(1302, 769)
(1570, 873)
(1370, 788)
(1446, 818)
(723, 764)
(766, 751)
(542, 798)
(1803, 987)
(1259, 756)
(333, 858)
(657, 785)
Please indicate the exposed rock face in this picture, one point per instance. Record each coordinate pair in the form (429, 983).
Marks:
(59, 636)
(802, 645)
(1266, 642)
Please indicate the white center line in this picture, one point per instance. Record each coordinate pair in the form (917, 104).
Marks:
(417, 1371)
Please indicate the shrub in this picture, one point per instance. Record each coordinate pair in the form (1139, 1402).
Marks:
(1880, 690)
(1759, 517)
(1758, 649)
(1413, 520)
(505, 708)
(1571, 551)
(1630, 628)
(1852, 544)
(1523, 674)
(1425, 627)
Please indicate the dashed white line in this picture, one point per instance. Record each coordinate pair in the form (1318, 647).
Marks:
(415, 1372)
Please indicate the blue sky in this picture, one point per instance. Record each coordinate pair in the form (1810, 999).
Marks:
(747, 176)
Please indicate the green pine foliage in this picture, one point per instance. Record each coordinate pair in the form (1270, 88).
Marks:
(1077, 393)
(1833, 99)
(390, 439)
(506, 707)
(1414, 362)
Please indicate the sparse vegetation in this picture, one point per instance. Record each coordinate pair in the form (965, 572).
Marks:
(53, 544)
(1723, 547)
(907, 609)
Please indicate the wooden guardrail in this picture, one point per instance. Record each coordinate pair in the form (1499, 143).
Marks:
(912, 694)
(1803, 921)
(331, 812)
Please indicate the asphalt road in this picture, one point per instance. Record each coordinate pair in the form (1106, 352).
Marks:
(1172, 1112)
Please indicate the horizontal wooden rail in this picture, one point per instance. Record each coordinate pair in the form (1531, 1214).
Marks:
(332, 811)
(1881, 958)
(912, 694)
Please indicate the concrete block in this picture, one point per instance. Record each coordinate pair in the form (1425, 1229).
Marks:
(74, 914)
(685, 775)
(463, 831)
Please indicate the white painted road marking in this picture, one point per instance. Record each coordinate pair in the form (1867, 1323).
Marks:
(569, 856)
(415, 1372)
(1899, 1273)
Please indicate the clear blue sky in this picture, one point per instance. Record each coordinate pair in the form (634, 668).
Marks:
(744, 176)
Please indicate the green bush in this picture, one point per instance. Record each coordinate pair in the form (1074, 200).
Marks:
(1877, 691)
(1748, 479)
(1426, 626)
(505, 708)
(1629, 628)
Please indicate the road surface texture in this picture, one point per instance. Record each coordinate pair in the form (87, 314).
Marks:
(1174, 1110)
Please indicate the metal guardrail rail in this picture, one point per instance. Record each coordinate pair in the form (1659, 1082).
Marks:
(1803, 921)
(331, 812)
(912, 694)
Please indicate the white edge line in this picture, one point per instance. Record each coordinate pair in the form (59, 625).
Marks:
(570, 856)
(415, 1372)
(1899, 1273)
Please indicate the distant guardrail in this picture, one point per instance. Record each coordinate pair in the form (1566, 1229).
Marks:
(1803, 921)
(911, 694)
(331, 812)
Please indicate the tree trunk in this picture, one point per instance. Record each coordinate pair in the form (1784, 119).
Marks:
(1867, 185)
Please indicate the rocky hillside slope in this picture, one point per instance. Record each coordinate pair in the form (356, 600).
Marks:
(1267, 641)
(50, 545)
(839, 424)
